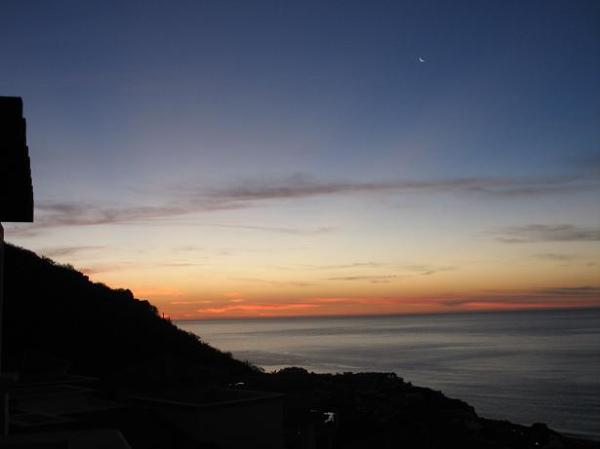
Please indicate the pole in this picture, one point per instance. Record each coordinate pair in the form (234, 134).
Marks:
(3, 382)
(1, 289)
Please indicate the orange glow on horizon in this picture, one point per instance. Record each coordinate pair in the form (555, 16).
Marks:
(252, 290)
(353, 307)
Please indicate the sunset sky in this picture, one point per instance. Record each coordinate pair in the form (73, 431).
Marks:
(267, 158)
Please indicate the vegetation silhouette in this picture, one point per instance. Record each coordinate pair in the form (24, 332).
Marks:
(57, 319)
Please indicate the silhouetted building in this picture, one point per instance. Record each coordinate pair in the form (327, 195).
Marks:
(16, 192)
(228, 418)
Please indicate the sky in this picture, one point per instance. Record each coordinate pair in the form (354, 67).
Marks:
(273, 158)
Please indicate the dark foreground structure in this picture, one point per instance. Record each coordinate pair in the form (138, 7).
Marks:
(143, 383)
(16, 191)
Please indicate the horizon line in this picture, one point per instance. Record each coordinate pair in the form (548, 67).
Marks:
(399, 314)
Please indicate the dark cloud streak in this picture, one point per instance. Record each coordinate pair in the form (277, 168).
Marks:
(372, 279)
(544, 296)
(301, 186)
(548, 233)
(187, 201)
(67, 251)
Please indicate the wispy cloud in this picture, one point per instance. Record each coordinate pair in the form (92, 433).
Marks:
(571, 291)
(555, 257)
(373, 279)
(68, 251)
(342, 266)
(58, 215)
(178, 264)
(84, 214)
(284, 283)
(579, 295)
(134, 265)
(189, 303)
(548, 233)
(427, 270)
(302, 186)
(407, 270)
(258, 309)
(411, 270)
(187, 200)
(280, 229)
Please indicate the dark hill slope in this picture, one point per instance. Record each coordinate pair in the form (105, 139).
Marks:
(56, 317)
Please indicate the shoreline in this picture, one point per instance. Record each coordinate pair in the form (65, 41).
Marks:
(466, 356)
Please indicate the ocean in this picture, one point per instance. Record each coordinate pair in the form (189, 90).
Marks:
(529, 366)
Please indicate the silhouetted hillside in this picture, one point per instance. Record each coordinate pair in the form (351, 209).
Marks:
(56, 319)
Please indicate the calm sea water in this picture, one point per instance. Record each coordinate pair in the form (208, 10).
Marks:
(534, 366)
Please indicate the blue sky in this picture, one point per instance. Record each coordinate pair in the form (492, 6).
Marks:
(240, 122)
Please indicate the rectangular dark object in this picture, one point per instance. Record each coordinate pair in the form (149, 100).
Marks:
(16, 191)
